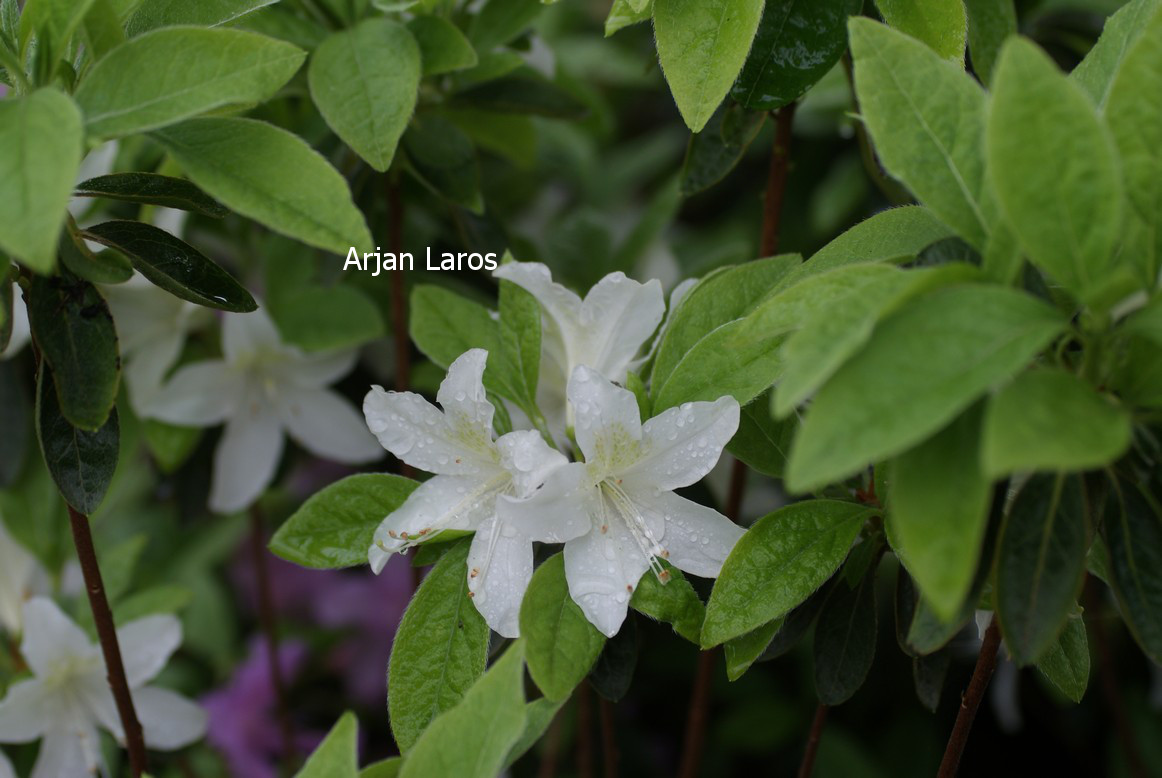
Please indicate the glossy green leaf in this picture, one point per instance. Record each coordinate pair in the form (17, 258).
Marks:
(74, 330)
(743, 651)
(1040, 563)
(1066, 663)
(702, 45)
(335, 526)
(151, 14)
(173, 265)
(192, 71)
(473, 739)
(941, 352)
(444, 160)
(271, 176)
(103, 267)
(719, 147)
(1051, 420)
(337, 756)
(439, 652)
(778, 563)
(674, 602)
(941, 24)
(762, 442)
(797, 42)
(938, 512)
(1133, 533)
(364, 81)
(845, 640)
(151, 189)
(1054, 167)
(1095, 74)
(81, 463)
(561, 644)
(40, 151)
(927, 118)
(443, 48)
(990, 24)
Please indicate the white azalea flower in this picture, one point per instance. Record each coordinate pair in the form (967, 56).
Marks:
(618, 507)
(21, 577)
(21, 333)
(152, 326)
(68, 697)
(261, 388)
(605, 331)
(472, 470)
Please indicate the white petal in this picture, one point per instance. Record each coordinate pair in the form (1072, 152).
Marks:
(558, 511)
(246, 334)
(529, 459)
(413, 430)
(198, 395)
(20, 577)
(697, 539)
(51, 638)
(603, 569)
(618, 316)
(682, 444)
(462, 397)
(169, 720)
(24, 712)
(607, 420)
(143, 313)
(146, 645)
(246, 458)
(499, 569)
(21, 333)
(677, 295)
(92, 690)
(68, 753)
(145, 370)
(444, 502)
(321, 369)
(327, 425)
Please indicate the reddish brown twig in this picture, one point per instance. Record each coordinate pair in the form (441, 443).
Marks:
(268, 620)
(986, 663)
(107, 636)
(807, 766)
(608, 739)
(777, 179)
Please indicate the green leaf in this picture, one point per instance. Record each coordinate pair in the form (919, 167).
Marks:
(444, 160)
(928, 674)
(80, 462)
(364, 81)
(1053, 167)
(321, 318)
(522, 91)
(499, 21)
(990, 24)
(938, 512)
(539, 714)
(941, 24)
(612, 673)
(192, 71)
(1066, 663)
(845, 640)
(622, 14)
(742, 652)
(119, 564)
(797, 43)
(443, 48)
(151, 14)
(337, 756)
(778, 563)
(893, 236)
(520, 340)
(151, 601)
(1095, 74)
(105, 267)
(271, 176)
(171, 445)
(1051, 420)
(762, 442)
(941, 351)
(1133, 533)
(386, 768)
(152, 189)
(719, 147)
(473, 739)
(40, 151)
(927, 118)
(561, 644)
(53, 22)
(674, 602)
(173, 265)
(702, 45)
(335, 526)
(439, 652)
(1040, 563)
(74, 330)
(15, 419)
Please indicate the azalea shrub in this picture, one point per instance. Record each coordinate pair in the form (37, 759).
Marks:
(685, 387)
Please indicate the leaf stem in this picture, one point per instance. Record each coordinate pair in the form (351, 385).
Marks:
(107, 636)
(986, 663)
(807, 766)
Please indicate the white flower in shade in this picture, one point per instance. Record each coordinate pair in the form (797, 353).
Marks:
(152, 326)
(21, 577)
(618, 508)
(262, 388)
(605, 331)
(68, 697)
(21, 333)
(472, 471)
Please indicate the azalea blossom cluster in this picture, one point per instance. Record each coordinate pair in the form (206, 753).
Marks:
(614, 508)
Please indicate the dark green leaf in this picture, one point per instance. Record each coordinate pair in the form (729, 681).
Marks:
(444, 159)
(523, 91)
(1066, 663)
(743, 651)
(443, 48)
(715, 151)
(990, 23)
(845, 640)
(104, 267)
(928, 674)
(1133, 532)
(612, 673)
(15, 420)
(761, 442)
(796, 624)
(152, 189)
(499, 21)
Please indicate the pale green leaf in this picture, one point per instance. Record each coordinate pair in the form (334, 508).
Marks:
(622, 14)
(337, 756)
(674, 602)
(1095, 74)
(941, 24)
(742, 652)
(893, 236)
(443, 48)
(151, 14)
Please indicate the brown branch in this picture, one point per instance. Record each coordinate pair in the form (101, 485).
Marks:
(107, 636)
(608, 739)
(986, 663)
(584, 733)
(807, 766)
(268, 620)
(777, 180)
(1110, 689)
